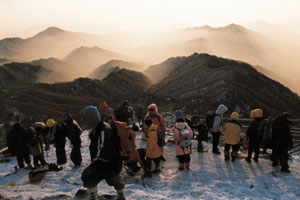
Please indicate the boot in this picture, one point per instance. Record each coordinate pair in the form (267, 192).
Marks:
(181, 167)
(121, 194)
(163, 158)
(285, 170)
(248, 160)
(216, 151)
(92, 193)
(274, 164)
(234, 155)
(200, 147)
(226, 154)
(187, 166)
(147, 174)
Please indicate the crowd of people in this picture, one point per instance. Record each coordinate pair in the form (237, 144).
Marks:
(112, 143)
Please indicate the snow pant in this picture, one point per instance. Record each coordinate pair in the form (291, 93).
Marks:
(149, 163)
(61, 156)
(23, 157)
(234, 152)
(39, 159)
(253, 146)
(200, 146)
(216, 139)
(184, 158)
(76, 157)
(99, 170)
(281, 155)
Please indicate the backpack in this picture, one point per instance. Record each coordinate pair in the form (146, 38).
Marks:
(210, 118)
(160, 135)
(185, 139)
(127, 136)
(160, 139)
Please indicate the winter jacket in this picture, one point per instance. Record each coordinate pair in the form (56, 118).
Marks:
(33, 142)
(73, 132)
(16, 140)
(176, 135)
(232, 130)
(218, 120)
(158, 120)
(255, 131)
(153, 150)
(123, 114)
(109, 142)
(281, 135)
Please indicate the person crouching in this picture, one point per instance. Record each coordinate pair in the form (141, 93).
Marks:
(107, 163)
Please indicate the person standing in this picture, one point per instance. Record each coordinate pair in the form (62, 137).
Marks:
(282, 142)
(156, 119)
(255, 135)
(217, 127)
(232, 130)
(16, 143)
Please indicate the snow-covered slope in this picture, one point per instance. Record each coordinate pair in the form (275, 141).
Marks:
(210, 178)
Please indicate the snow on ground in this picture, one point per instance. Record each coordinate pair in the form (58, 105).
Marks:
(210, 178)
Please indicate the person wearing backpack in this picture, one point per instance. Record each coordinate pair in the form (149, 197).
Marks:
(17, 146)
(232, 130)
(255, 135)
(182, 135)
(158, 120)
(216, 126)
(282, 142)
(35, 147)
(73, 132)
(154, 152)
(108, 163)
(57, 132)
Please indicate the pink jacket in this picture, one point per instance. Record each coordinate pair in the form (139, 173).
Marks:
(176, 135)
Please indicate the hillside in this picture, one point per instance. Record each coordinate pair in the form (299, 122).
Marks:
(104, 70)
(19, 73)
(203, 81)
(52, 42)
(86, 59)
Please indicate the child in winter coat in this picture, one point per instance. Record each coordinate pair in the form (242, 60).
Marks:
(154, 152)
(232, 136)
(255, 134)
(183, 134)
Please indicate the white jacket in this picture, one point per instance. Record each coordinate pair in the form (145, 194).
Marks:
(217, 125)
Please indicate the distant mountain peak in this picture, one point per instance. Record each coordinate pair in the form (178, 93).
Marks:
(234, 27)
(51, 31)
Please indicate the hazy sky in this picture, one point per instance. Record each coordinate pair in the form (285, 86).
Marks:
(140, 16)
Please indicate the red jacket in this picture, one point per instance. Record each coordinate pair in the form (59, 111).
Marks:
(157, 120)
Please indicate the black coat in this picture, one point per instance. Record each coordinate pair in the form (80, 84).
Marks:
(60, 142)
(255, 131)
(281, 135)
(123, 114)
(16, 140)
